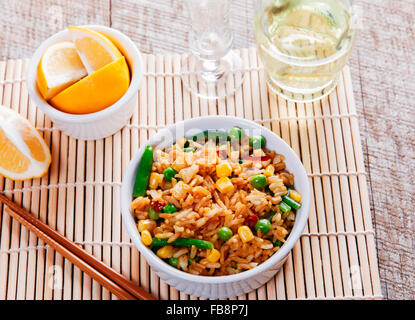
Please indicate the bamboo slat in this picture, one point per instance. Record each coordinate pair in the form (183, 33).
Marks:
(80, 196)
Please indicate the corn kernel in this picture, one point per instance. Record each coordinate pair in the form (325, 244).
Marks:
(165, 252)
(213, 256)
(154, 180)
(245, 233)
(295, 195)
(146, 238)
(224, 185)
(269, 170)
(147, 224)
(223, 169)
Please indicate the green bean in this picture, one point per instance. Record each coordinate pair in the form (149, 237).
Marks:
(202, 137)
(199, 137)
(143, 172)
(292, 203)
(284, 207)
(173, 261)
(189, 149)
(183, 242)
(219, 136)
(278, 243)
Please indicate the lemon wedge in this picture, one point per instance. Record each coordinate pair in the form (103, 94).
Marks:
(96, 91)
(23, 152)
(59, 67)
(95, 49)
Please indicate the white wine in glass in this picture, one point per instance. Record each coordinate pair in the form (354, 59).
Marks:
(303, 45)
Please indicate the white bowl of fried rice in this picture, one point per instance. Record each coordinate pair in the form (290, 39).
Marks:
(215, 197)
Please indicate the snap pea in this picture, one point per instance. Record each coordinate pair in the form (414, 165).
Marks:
(143, 172)
(189, 149)
(292, 203)
(183, 242)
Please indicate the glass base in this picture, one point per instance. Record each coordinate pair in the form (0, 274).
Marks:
(212, 79)
(301, 96)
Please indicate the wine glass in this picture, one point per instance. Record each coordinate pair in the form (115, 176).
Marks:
(212, 70)
(304, 44)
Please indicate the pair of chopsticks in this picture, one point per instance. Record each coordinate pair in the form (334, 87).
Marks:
(104, 275)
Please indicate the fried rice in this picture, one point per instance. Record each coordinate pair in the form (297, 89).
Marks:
(202, 209)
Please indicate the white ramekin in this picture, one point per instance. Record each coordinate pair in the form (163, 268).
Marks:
(221, 286)
(99, 124)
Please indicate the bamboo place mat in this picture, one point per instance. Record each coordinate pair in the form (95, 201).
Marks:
(334, 259)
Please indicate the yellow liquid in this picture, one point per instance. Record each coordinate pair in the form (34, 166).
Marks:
(303, 45)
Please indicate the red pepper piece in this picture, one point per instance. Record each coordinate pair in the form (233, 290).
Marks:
(157, 205)
(252, 220)
(263, 158)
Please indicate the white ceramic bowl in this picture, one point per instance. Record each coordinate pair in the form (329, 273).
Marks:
(99, 124)
(220, 286)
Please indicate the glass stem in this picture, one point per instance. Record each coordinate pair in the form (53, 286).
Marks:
(210, 65)
(211, 70)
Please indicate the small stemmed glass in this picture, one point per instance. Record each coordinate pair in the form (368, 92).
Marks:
(212, 70)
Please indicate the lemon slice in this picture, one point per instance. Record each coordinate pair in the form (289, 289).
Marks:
(96, 91)
(95, 49)
(59, 67)
(23, 152)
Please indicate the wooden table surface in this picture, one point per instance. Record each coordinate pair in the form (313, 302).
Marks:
(383, 72)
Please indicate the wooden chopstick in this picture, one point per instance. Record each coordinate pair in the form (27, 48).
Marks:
(110, 285)
(104, 275)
